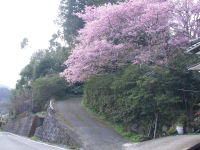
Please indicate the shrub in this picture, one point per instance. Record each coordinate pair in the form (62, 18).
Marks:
(179, 124)
(171, 131)
(133, 94)
(52, 86)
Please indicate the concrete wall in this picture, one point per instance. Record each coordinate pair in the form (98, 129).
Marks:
(53, 131)
(21, 126)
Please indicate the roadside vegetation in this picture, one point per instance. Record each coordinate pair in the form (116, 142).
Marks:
(40, 81)
(128, 60)
(34, 138)
(138, 96)
(119, 128)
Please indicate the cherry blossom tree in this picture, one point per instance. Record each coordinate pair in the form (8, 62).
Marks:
(186, 18)
(131, 32)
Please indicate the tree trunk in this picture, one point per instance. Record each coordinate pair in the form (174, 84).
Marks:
(186, 102)
(150, 129)
(156, 125)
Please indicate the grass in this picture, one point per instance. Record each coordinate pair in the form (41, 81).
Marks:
(22, 115)
(42, 112)
(119, 128)
(185, 134)
(34, 138)
(1, 130)
(192, 134)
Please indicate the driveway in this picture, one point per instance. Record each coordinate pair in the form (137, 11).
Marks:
(94, 133)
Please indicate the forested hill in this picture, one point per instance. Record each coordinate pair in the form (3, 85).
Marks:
(4, 94)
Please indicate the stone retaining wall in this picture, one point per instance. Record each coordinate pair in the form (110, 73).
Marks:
(21, 126)
(54, 131)
(51, 131)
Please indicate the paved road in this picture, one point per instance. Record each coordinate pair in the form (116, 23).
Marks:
(182, 142)
(94, 133)
(10, 141)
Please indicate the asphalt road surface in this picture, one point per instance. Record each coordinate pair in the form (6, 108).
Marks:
(10, 141)
(93, 132)
(181, 142)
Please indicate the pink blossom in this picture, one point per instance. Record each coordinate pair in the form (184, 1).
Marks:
(135, 31)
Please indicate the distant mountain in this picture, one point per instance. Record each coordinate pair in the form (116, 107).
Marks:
(4, 86)
(4, 99)
(4, 94)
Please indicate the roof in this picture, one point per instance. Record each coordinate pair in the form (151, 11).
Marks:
(195, 46)
(194, 41)
(196, 67)
(194, 49)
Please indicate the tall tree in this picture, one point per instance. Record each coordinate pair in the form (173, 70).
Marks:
(186, 19)
(69, 21)
(101, 2)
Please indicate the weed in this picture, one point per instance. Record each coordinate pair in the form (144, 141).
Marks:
(34, 138)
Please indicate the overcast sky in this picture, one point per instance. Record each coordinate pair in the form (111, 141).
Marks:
(33, 19)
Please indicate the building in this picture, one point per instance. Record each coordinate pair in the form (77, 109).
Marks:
(194, 49)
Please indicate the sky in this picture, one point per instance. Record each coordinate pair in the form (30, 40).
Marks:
(33, 19)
